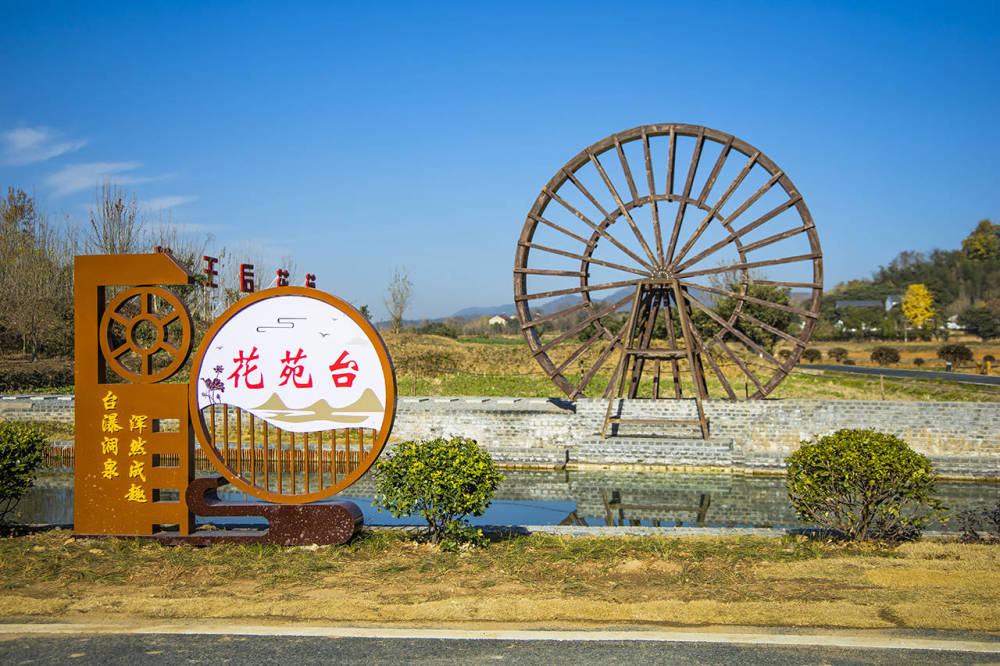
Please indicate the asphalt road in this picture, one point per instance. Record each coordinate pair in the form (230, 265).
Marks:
(154, 649)
(960, 377)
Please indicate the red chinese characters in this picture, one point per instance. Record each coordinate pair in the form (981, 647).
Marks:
(293, 370)
(245, 367)
(343, 379)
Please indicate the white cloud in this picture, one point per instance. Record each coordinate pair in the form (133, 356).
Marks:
(165, 203)
(35, 144)
(76, 177)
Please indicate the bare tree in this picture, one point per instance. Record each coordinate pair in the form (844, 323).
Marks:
(35, 277)
(399, 292)
(115, 225)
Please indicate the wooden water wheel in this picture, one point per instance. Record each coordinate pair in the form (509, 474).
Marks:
(703, 236)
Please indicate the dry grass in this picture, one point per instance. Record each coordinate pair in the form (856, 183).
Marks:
(433, 365)
(387, 577)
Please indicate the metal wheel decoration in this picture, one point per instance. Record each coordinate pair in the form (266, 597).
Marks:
(138, 323)
(703, 235)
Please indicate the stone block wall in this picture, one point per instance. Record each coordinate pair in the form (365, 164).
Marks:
(749, 435)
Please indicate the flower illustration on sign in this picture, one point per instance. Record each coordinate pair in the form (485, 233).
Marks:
(298, 363)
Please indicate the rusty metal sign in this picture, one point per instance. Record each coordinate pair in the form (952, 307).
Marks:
(291, 396)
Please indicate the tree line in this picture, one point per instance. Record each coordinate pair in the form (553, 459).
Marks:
(36, 271)
(963, 284)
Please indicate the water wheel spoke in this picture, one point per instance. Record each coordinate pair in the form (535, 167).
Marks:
(580, 351)
(549, 271)
(576, 290)
(671, 159)
(600, 231)
(739, 233)
(169, 319)
(784, 283)
(747, 265)
(692, 169)
(771, 329)
(582, 325)
(751, 299)
(556, 315)
(118, 351)
(775, 238)
(760, 192)
(749, 342)
(714, 174)
(741, 365)
(561, 229)
(627, 170)
(589, 376)
(714, 212)
(584, 258)
(703, 348)
(584, 191)
(653, 205)
(119, 319)
(621, 206)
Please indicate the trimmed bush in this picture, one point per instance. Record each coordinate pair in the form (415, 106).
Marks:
(955, 354)
(812, 355)
(444, 481)
(838, 354)
(21, 448)
(885, 355)
(918, 361)
(864, 485)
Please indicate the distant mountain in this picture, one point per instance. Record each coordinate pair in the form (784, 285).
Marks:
(476, 311)
(561, 303)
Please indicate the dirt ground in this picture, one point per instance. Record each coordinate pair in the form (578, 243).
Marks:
(523, 581)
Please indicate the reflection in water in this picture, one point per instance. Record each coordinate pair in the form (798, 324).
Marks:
(547, 497)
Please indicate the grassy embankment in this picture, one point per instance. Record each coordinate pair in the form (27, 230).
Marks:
(433, 365)
(387, 577)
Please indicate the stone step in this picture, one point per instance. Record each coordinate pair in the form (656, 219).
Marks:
(674, 451)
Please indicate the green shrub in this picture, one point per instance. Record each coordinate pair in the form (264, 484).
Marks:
(838, 354)
(812, 355)
(863, 484)
(885, 355)
(443, 481)
(21, 448)
(955, 354)
(918, 361)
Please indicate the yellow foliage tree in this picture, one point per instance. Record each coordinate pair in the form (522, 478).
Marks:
(918, 305)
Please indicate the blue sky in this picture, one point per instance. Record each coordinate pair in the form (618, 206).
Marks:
(363, 137)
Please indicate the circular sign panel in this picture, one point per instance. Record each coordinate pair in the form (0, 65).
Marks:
(292, 395)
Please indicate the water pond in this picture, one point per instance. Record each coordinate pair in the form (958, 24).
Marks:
(544, 497)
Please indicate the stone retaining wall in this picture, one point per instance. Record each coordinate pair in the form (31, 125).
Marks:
(962, 438)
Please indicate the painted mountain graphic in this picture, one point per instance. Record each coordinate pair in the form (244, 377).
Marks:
(275, 409)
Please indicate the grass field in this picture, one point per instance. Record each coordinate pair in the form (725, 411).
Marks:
(433, 365)
(388, 577)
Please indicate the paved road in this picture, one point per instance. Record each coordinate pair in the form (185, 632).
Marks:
(152, 650)
(199, 648)
(960, 377)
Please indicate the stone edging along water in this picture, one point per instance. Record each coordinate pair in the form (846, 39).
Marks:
(962, 439)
